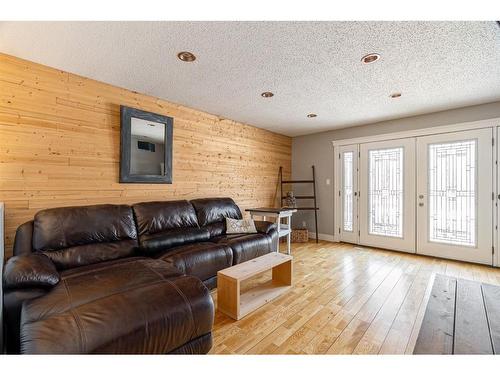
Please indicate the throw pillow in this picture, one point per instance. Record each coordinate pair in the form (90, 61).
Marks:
(234, 226)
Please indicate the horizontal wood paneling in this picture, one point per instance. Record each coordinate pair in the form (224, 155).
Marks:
(60, 146)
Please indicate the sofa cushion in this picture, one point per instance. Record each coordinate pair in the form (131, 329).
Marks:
(168, 239)
(30, 271)
(76, 236)
(154, 217)
(163, 225)
(13, 300)
(212, 213)
(202, 260)
(245, 246)
(134, 305)
(265, 226)
(23, 242)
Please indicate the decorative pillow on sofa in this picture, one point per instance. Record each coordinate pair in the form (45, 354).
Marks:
(234, 226)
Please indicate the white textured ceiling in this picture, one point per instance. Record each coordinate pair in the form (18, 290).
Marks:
(310, 66)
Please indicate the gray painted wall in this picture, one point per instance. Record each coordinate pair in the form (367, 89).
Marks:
(316, 149)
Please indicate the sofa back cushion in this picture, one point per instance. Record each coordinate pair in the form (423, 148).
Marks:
(212, 213)
(78, 236)
(163, 225)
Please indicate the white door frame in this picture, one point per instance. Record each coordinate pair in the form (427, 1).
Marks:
(488, 123)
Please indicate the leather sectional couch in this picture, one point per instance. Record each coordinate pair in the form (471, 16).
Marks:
(122, 279)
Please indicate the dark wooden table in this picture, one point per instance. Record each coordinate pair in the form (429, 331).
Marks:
(462, 317)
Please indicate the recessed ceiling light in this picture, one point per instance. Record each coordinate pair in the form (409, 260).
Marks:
(186, 56)
(370, 58)
(395, 95)
(311, 115)
(267, 94)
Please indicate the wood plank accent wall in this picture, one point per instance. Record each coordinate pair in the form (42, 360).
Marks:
(60, 146)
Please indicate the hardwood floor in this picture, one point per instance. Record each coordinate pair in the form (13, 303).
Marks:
(345, 300)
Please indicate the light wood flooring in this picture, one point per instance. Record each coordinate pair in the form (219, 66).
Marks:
(344, 300)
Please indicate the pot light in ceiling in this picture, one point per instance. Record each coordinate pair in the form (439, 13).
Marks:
(267, 94)
(312, 115)
(395, 95)
(186, 56)
(370, 58)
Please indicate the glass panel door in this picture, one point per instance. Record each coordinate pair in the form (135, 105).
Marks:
(385, 192)
(387, 189)
(455, 185)
(452, 192)
(349, 193)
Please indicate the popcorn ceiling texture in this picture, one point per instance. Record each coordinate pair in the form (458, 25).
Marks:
(312, 67)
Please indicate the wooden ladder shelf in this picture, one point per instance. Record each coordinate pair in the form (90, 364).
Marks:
(312, 197)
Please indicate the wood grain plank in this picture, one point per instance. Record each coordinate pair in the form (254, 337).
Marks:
(472, 335)
(436, 333)
(491, 295)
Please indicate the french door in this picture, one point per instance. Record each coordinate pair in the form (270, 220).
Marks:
(431, 195)
(387, 194)
(455, 188)
(349, 193)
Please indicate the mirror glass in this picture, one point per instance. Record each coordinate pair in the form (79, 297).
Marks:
(147, 147)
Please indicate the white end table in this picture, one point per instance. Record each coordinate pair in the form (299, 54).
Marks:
(284, 229)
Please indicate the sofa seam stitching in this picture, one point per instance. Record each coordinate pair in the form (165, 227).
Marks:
(182, 295)
(78, 322)
(108, 295)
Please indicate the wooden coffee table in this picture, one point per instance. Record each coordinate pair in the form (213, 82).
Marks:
(232, 302)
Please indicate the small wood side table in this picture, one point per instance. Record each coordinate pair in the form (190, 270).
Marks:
(284, 229)
(232, 302)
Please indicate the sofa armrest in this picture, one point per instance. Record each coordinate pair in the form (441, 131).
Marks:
(30, 271)
(265, 226)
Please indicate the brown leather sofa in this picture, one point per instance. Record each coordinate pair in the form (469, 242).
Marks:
(122, 279)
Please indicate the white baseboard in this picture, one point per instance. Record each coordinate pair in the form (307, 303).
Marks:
(322, 236)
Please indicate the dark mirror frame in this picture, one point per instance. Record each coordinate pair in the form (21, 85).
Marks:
(126, 114)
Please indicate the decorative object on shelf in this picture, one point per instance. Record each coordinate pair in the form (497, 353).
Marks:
(290, 201)
(299, 235)
(146, 147)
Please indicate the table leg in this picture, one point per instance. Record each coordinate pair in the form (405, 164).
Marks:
(278, 223)
(283, 273)
(228, 296)
(289, 235)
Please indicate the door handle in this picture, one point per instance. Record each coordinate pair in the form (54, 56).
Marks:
(421, 204)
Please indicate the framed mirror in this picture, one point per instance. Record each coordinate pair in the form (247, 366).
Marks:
(146, 147)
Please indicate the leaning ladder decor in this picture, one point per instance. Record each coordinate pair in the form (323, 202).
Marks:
(307, 197)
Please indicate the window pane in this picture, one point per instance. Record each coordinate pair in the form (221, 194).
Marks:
(452, 193)
(348, 191)
(385, 192)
